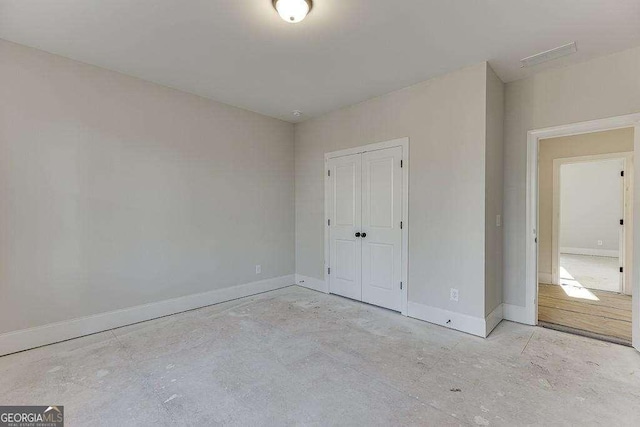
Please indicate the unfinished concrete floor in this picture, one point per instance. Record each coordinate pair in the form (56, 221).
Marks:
(298, 357)
(592, 272)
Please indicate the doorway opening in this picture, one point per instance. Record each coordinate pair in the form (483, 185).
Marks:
(591, 216)
(591, 213)
(584, 234)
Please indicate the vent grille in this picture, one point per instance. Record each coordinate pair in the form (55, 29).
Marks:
(549, 55)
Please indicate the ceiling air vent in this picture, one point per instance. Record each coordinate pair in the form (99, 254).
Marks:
(549, 55)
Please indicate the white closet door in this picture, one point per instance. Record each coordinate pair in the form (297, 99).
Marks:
(345, 247)
(382, 236)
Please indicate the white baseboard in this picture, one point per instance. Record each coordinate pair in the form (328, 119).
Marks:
(545, 278)
(515, 313)
(312, 283)
(493, 319)
(612, 253)
(24, 339)
(449, 319)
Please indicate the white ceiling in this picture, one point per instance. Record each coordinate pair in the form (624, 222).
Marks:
(240, 52)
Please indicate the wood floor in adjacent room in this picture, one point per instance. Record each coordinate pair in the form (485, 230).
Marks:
(607, 314)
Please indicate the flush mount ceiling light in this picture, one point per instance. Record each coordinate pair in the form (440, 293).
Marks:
(292, 11)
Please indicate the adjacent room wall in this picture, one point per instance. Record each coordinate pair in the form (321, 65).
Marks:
(494, 188)
(445, 120)
(604, 87)
(591, 208)
(614, 141)
(117, 192)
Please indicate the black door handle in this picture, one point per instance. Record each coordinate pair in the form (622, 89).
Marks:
(364, 235)
(358, 234)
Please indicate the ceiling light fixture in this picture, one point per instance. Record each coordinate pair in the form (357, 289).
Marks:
(293, 11)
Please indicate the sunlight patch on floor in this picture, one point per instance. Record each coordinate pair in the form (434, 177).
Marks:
(573, 288)
(593, 272)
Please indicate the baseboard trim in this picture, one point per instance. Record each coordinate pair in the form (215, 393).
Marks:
(25, 339)
(312, 283)
(449, 319)
(493, 319)
(610, 253)
(515, 313)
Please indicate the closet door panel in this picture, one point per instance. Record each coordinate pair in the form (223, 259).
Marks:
(345, 216)
(381, 216)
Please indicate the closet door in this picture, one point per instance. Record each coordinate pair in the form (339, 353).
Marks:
(381, 233)
(345, 246)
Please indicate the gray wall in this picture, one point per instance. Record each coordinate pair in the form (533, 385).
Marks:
(604, 87)
(117, 192)
(591, 205)
(494, 188)
(445, 121)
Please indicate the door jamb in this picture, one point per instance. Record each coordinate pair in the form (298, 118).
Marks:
(531, 271)
(401, 142)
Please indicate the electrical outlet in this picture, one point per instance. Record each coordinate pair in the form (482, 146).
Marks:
(454, 295)
(258, 269)
(599, 242)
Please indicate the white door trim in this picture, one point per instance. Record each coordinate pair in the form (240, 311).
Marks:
(401, 142)
(635, 282)
(626, 240)
(533, 138)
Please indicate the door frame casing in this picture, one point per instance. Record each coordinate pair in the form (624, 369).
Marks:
(531, 221)
(626, 242)
(400, 142)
